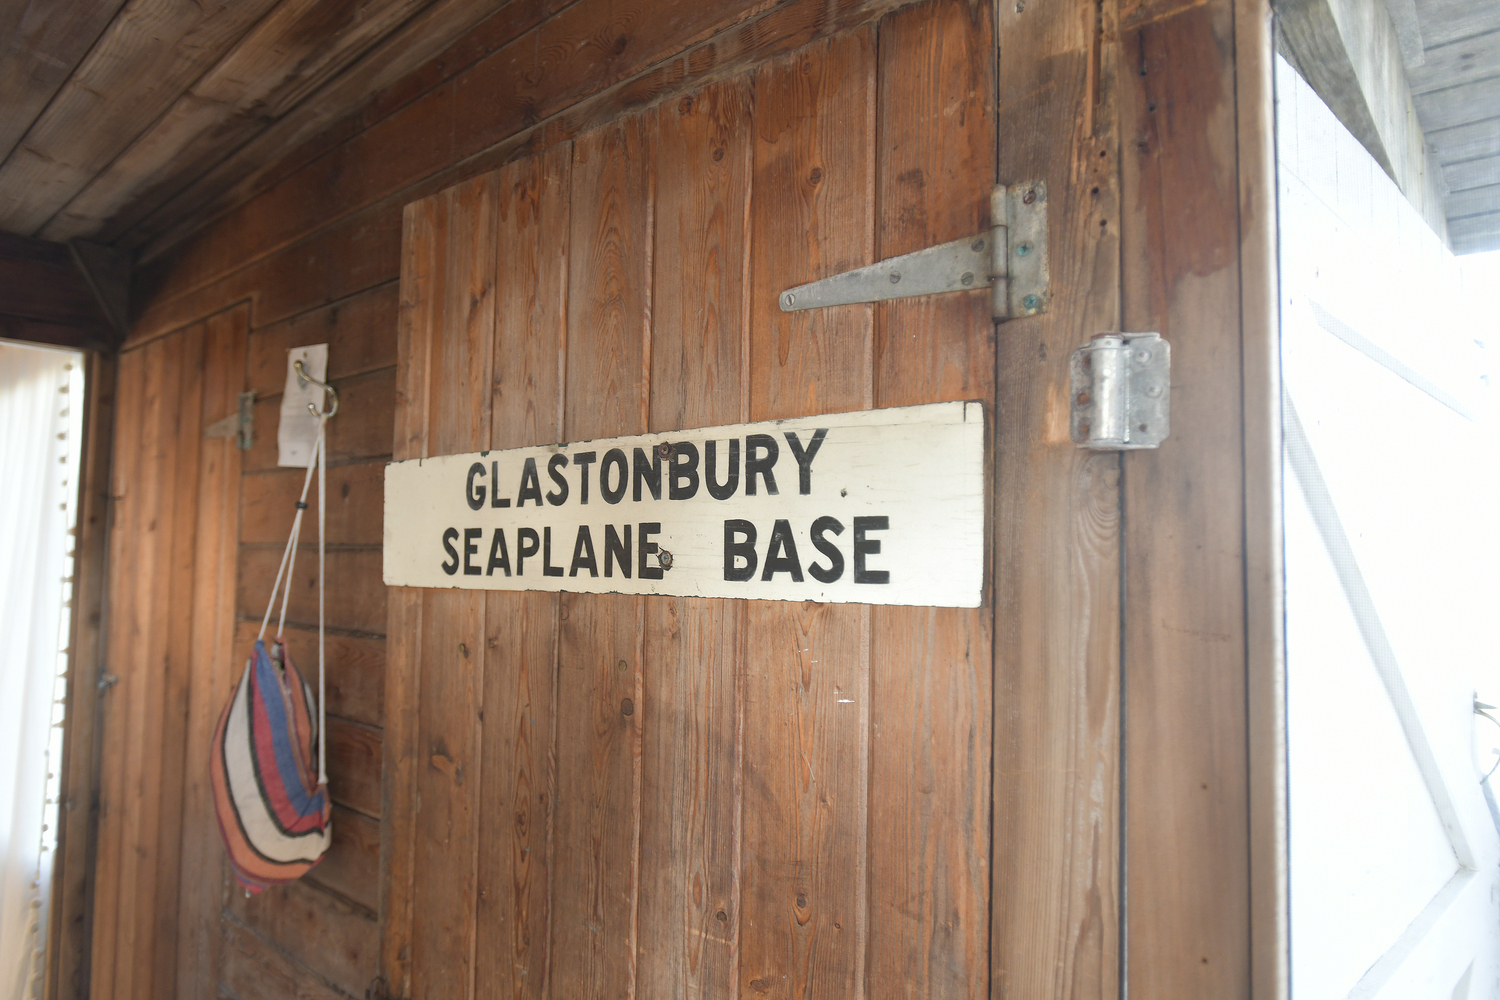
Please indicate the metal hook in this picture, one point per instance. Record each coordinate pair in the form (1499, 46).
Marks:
(333, 394)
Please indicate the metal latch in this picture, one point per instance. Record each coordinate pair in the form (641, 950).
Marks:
(1010, 259)
(1122, 392)
(239, 424)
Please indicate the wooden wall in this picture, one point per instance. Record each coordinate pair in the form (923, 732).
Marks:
(961, 832)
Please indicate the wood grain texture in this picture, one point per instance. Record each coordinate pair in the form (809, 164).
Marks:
(150, 649)
(215, 663)
(255, 970)
(409, 440)
(354, 765)
(691, 709)
(804, 891)
(356, 667)
(450, 696)
(71, 918)
(45, 42)
(367, 400)
(596, 826)
(332, 938)
(1056, 920)
(39, 280)
(355, 598)
(931, 672)
(518, 778)
(351, 867)
(108, 99)
(360, 332)
(1185, 744)
(355, 508)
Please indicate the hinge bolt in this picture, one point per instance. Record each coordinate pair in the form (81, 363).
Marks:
(788, 300)
(1024, 250)
(895, 277)
(1030, 302)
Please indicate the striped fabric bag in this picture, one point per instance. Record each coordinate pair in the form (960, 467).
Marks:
(267, 769)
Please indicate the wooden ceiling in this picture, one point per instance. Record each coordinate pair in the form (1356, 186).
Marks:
(133, 123)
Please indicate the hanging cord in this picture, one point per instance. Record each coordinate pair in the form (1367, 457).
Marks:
(288, 557)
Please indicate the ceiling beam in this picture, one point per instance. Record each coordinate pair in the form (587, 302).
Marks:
(45, 297)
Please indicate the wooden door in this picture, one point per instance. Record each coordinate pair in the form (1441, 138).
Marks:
(1389, 574)
(622, 796)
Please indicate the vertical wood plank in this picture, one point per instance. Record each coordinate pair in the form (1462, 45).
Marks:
(518, 783)
(421, 273)
(451, 686)
(213, 654)
(689, 897)
(931, 668)
(1186, 791)
(600, 673)
(807, 672)
(123, 548)
(69, 938)
(1056, 901)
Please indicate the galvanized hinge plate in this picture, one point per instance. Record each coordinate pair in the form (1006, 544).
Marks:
(1009, 259)
(1122, 392)
(240, 424)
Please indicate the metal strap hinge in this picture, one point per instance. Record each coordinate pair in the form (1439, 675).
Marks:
(1122, 392)
(240, 424)
(1010, 259)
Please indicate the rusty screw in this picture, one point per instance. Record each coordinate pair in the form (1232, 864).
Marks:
(664, 558)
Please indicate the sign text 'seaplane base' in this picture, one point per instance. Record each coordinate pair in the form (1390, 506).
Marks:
(871, 507)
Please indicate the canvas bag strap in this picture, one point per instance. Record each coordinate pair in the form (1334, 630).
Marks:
(288, 557)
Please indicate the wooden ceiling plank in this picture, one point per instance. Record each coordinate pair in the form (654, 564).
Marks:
(1473, 173)
(1445, 21)
(39, 281)
(1475, 234)
(1460, 105)
(243, 173)
(1471, 58)
(44, 41)
(1469, 141)
(293, 51)
(1475, 201)
(145, 59)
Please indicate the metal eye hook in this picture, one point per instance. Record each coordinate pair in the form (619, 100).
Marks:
(333, 394)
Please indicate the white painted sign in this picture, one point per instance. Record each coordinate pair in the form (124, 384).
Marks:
(872, 507)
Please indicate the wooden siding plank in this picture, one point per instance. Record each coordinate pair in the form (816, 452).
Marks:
(352, 865)
(215, 662)
(334, 938)
(354, 758)
(807, 674)
(931, 669)
(254, 970)
(450, 696)
(1185, 687)
(71, 929)
(367, 400)
(419, 303)
(109, 98)
(1056, 892)
(596, 827)
(518, 788)
(356, 503)
(45, 42)
(360, 332)
(690, 711)
(356, 667)
(355, 596)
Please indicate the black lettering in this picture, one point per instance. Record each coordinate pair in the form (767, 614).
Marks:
(449, 537)
(496, 500)
(583, 460)
(583, 552)
(615, 549)
(614, 458)
(499, 554)
(835, 557)
(732, 483)
(475, 498)
(762, 466)
(643, 532)
(736, 550)
(864, 547)
(786, 562)
(523, 535)
(684, 474)
(805, 458)
(651, 476)
(531, 486)
(471, 537)
(554, 469)
(547, 568)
